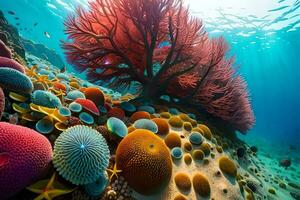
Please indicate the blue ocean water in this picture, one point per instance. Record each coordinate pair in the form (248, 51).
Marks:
(263, 36)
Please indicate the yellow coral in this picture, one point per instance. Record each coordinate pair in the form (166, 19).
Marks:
(201, 185)
(173, 140)
(183, 181)
(227, 166)
(175, 122)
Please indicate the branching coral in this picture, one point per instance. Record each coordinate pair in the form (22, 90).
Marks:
(156, 43)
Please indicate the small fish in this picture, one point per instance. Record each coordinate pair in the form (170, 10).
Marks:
(47, 34)
(17, 24)
(285, 163)
(11, 12)
(35, 24)
(17, 18)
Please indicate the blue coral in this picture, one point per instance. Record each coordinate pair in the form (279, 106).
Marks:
(75, 94)
(45, 98)
(176, 153)
(96, 188)
(148, 109)
(146, 124)
(14, 80)
(81, 155)
(86, 118)
(196, 138)
(117, 127)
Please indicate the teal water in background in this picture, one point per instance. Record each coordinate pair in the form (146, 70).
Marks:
(266, 47)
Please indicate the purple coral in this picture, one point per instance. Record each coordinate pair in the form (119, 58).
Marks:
(24, 155)
(10, 63)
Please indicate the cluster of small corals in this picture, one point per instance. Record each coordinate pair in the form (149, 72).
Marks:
(119, 190)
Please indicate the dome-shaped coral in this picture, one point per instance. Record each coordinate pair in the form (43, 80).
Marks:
(227, 166)
(196, 138)
(117, 127)
(128, 107)
(88, 105)
(80, 155)
(14, 80)
(148, 109)
(163, 126)
(146, 124)
(45, 98)
(10, 63)
(116, 112)
(173, 140)
(206, 131)
(183, 181)
(139, 115)
(95, 94)
(74, 94)
(145, 161)
(205, 147)
(175, 122)
(176, 153)
(201, 185)
(25, 154)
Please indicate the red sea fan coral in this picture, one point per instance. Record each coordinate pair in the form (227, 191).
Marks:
(24, 155)
(157, 44)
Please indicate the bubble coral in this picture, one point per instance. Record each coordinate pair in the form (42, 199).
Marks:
(176, 153)
(116, 112)
(146, 124)
(141, 156)
(227, 166)
(4, 50)
(173, 140)
(198, 154)
(201, 185)
(2, 102)
(175, 122)
(139, 115)
(45, 98)
(205, 147)
(12, 64)
(14, 80)
(183, 181)
(196, 138)
(81, 155)
(163, 126)
(88, 105)
(25, 154)
(148, 109)
(74, 94)
(206, 131)
(95, 94)
(117, 127)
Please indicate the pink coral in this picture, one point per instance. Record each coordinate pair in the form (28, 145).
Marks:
(24, 155)
(10, 63)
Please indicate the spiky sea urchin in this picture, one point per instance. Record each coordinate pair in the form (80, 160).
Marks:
(81, 155)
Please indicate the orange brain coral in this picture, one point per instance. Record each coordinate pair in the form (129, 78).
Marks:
(95, 94)
(145, 161)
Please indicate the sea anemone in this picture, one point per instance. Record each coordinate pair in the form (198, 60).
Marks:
(146, 124)
(45, 98)
(12, 64)
(117, 127)
(88, 105)
(201, 185)
(14, 80)
(25, 155)
(94, 94)
(163, 126)
(138, 156)
(173, 140)
(81, 155)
